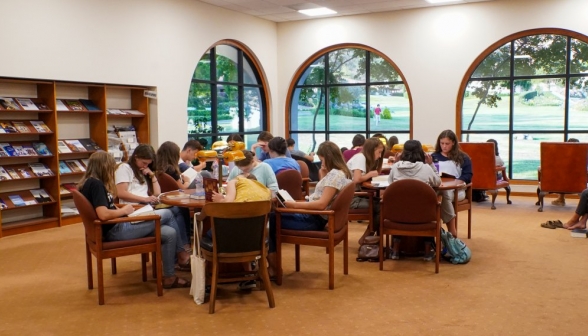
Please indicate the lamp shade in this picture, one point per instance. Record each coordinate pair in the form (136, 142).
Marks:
(398, 148)
(207, 155)
(233, 155)
(236, 145)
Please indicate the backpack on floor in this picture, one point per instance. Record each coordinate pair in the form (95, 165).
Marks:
(454, 250)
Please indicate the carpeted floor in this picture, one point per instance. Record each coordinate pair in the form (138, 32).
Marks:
(522, 280)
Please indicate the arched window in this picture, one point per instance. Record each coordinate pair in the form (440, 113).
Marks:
(527, 88)
(336, 93)
(227, 95)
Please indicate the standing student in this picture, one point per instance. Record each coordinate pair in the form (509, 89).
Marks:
(98, 187)
(136, 183)
(377, 112)
(364, 166)
(453, 161)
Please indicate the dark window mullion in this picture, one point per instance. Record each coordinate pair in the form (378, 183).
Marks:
(213, 95)
(240, 91)
(367, 92)
(567, 88)
(326, 89)
(511, 108)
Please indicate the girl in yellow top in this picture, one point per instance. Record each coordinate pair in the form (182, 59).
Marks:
(243, 189)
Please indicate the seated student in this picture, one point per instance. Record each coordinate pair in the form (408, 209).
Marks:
(98, 187)
(453, 161)
(364, 166)
(262, 171)
(168, 155)
(262, 140)
(414, 163)
(188, 154)
(334, 176)
(390, 143)
(297, 152)
(278, 161)
(578, 220)
(357, 143)
(136, 183)
(243, 189)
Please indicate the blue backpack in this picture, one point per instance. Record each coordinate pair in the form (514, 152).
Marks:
(454, 250)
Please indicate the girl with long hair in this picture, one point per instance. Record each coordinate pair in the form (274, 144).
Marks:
(136, 182)
(453, 161)
(98, 186)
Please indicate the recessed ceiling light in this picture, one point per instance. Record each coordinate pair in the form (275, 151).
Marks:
(317, 11)
(442, 1)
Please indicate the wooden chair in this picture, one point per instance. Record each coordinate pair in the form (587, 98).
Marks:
(239, 234)
(291, 181)
(336, 231)
(166, 182)
(563, 169)
(111, 250)
(305, 177)
(411, 208)
(313, 172)
(484, 168)
(463, 205)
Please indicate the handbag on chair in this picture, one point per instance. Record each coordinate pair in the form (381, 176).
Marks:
(370, 249)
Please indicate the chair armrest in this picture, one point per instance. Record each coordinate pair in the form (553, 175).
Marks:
(502, 169)
(127, 219)
(305, 211)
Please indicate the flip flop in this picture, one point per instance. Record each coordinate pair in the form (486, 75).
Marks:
(557, 223)
(548, 225)
(177, 284)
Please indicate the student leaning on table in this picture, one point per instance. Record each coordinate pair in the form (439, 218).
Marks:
(414, 164)
(98, 187)
(262, 171)
(136, 183)
(453, 161)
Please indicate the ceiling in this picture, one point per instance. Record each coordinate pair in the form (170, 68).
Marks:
(287, 10)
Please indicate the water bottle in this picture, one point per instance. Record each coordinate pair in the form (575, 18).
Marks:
(436, 164)
(215, 169)
(199, 192)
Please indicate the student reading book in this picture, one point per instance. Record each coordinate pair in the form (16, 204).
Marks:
(210, 187)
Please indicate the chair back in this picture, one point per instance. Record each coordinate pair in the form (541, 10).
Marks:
(303, 169)
(313, 172)
(238, 227)
(166, 182)
(409, 202)
(341, 206)
(291, 181)
(563, 166)
(87, 213)
(483, 159)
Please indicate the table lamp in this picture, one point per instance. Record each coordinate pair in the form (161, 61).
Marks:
(398, 148)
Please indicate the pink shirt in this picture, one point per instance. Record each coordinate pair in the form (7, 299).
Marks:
(348, 154)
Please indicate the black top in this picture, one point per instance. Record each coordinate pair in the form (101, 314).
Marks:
(173, 173)
(95, 191)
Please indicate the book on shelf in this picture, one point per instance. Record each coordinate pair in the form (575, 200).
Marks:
(62, 147)
(114, 111)
(579, 233)
(89, 105)
(63, 190)
(60, 105)
(13, 173)
(40, 126)
(69, 211)
(24, 150)
(27, 104)
(42, 149)
(64, 168)
(4, 176)
(70, 186)
(89, 144)
(85, 162)
(21, 127)
(75, 166)
(40, 169)
(41, 195)
(42, 106)
(75, 145)
(17, 200)
(9, 104)
(24, 172)
(74, 105)
(3, 204)
(6, 127)
(133, 112)
(210, 185)
(7, 149)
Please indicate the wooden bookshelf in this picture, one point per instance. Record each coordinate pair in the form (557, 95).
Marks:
(70, 124)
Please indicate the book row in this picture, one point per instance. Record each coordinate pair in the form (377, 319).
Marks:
(24, 149)
(72, 166)
(77, 145)
(34, 196)
(34, 104)
(24, 171)
(33, 126)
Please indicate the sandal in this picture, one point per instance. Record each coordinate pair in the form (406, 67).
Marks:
(177, 284)
(557, 223)
(548, 225)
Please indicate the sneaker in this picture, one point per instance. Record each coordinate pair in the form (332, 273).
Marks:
(394, 255)
(249, 284)
(429, 256)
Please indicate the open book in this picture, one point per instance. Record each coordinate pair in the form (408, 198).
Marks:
(147, 210)
(283, 196)
(190, 174)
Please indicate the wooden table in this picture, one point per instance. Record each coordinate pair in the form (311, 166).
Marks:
(447, 183)
(182, 199)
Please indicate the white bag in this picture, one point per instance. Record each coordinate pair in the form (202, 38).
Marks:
(198, 264)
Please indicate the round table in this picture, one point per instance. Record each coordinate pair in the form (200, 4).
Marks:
(182, 199)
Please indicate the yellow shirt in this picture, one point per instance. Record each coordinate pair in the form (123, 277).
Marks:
(250, 191)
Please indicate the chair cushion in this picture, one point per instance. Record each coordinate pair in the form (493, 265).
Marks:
(127, 243)
(501, 184)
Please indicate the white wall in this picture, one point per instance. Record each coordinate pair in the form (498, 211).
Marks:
(433, 47)
(142, 42)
